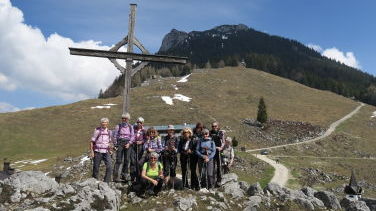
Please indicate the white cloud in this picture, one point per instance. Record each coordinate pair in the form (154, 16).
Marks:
(5, 83)
(6, 107)
(315, 47)
(347, 58)
(30, 60)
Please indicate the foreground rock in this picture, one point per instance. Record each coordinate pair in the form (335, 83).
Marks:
(349, 204)
(35, 190)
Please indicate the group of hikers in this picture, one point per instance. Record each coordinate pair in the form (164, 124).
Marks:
(149, 161)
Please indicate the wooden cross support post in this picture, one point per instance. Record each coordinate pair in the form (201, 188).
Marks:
(128, 56)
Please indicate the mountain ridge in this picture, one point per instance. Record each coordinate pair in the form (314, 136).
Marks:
(230, 45)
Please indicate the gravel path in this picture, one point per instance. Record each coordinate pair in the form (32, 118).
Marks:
(281, 173)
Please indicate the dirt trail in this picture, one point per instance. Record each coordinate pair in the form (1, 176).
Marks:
(281, 173)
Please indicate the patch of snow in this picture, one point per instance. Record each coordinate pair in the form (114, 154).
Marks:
(373, 114)
(38, 161)
(100, 107)
(22, 161)
(174, 86)
(167, 100)
(224, 37)
(20, 166)
(46, 173)
(184, 79)
(182, 98)
(109, 104)
(68, 168)
(84, 159)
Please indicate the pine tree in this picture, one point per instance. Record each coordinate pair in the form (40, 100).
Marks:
(262, 116)
(100, 94)
(235, 142)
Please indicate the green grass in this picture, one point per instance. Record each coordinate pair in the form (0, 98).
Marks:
(256, 170)
(226, 95)
(348, 148)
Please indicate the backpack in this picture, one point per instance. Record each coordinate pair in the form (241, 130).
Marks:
(100, 133)
(128, 125)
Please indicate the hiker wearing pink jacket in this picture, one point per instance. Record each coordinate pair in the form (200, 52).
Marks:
(100, 149)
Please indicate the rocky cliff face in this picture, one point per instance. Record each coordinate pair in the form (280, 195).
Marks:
(182, 39)
(173, 39)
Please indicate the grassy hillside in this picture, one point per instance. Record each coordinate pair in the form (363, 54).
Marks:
(351, 146)
(226, 95)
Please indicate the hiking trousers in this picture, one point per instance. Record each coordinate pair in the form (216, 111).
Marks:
(206, 173)
(136, 154)
(106, 157)
(169, 160)
(193, 167)
(184, 162)
(146, 185)
(122, 157)
(217, 167)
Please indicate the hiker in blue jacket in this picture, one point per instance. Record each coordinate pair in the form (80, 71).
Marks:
(205, 151)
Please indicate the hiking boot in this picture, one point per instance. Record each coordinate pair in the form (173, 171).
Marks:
(117, 179)
(126, 177)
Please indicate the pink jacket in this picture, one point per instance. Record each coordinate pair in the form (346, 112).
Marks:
(140, 135)
(101, 139)
(126, 132)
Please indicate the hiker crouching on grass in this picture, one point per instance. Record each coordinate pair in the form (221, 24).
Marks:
(100, 149)
(227, 155)
(206, 151)
(152, 175)
(124, 135)
(170, 155)
(137, 149)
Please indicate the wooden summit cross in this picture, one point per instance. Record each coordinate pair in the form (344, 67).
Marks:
(128, 56)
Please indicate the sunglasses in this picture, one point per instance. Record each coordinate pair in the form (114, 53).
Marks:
(206, 134)
(214, 125)
(153, 158)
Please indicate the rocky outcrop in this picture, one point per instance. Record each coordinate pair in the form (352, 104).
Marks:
(34, 190)
(329, 199)
(255, 189)
(186, 203)
(172, 39)
(350, 204)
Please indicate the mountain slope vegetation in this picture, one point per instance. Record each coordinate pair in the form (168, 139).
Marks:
(230, 45)
(227, 95)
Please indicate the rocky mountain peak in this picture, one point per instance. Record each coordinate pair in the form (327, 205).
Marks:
(231, 28)
(172, 39)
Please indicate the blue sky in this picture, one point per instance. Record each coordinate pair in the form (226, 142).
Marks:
(47, 75)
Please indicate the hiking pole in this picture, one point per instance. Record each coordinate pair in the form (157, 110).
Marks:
(174, 167)
(206, 169)
(201, 174)
(186, 172)
(137, 167)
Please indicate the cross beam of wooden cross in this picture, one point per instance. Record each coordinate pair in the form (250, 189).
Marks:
(128, 56)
